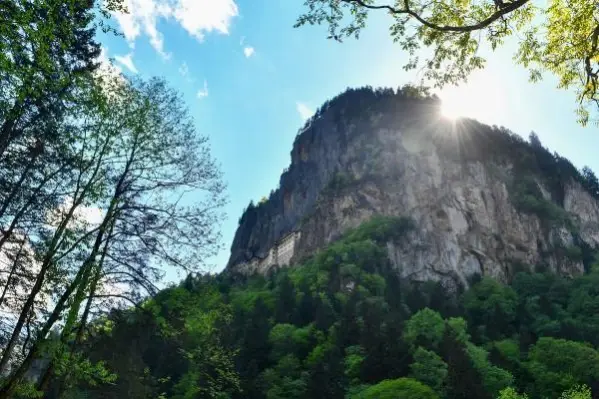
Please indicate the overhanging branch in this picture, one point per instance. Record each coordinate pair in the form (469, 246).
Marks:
(505, 9)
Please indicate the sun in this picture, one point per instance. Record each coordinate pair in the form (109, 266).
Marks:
(482, 98)
(452, 110)
(459, 102)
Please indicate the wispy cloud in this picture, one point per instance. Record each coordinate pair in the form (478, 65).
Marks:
(186, 73)
(108, 73)
(142, 18)
(203, 92)
(126, 61)
(184, 69)
(197, 17)
(248, 51)
(304, 111)
(106, 66)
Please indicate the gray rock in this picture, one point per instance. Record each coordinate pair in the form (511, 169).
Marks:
(348, 166)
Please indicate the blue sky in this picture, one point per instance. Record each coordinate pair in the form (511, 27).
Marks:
(250, 79)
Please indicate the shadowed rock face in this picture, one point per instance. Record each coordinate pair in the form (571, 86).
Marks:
(367, 153)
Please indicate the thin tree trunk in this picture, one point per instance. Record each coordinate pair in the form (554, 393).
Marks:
(13, 269)
(8, 389)
(78, 283)
(44, 381)
(13, 193)
(46, 265)
(7, 130)
(43, 384)
(17, 217)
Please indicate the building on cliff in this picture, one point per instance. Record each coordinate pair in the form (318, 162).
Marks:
(484, 200)
(280, 254)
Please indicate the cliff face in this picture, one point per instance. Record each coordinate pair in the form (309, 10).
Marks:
(483, 200)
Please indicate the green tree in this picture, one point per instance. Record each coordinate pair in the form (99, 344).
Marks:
(578, 392)
(453, 30)
(218, 337)
(130, 146)
(286, 297)
(326, 371)
(464, 380)
(558, 364)
(511, 393)
(254, 346)
(425, 328)
(491, 306)
(47, 49)
(402, 388)
(354, 357)
(429, 369)
(286, 379)
(287, 339)
(494, 378)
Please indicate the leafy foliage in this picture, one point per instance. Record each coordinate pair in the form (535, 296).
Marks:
(453, 30)
(343, 325)
(402, 388)
(527, 197)
(80, 142)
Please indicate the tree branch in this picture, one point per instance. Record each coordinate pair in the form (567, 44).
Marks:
(591, 76)
(499, 13)
(137, 305)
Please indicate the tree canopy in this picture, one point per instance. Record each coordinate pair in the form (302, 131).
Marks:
(455, 31)
(305, 332)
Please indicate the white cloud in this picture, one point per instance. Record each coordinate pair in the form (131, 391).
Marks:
(204, 16)
(106, 66)
(107, 73)
(197, 17)
(304, 111)
(185, 73)
(203, 92)
(184, 69)
(142, 17)
(83, 215)
(248, 51)
(126, 61)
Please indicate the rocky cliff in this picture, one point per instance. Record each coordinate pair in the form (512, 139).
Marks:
(484, 201)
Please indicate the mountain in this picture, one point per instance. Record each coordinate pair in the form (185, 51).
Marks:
(483, 200)
(432, 260)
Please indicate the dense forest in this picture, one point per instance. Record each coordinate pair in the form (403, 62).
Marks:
(344, 325)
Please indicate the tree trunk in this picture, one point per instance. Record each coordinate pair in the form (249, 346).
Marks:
(46, 265)
(44, 381)
(17, 187)
(15, 264)
(8, 389)
(79, 283)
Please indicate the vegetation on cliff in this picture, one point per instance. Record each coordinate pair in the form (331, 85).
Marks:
(537, 179)
(344, 325)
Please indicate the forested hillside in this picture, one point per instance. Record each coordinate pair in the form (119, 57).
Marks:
(343, 325)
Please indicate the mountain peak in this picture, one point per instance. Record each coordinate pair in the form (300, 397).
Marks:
(482, 198)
